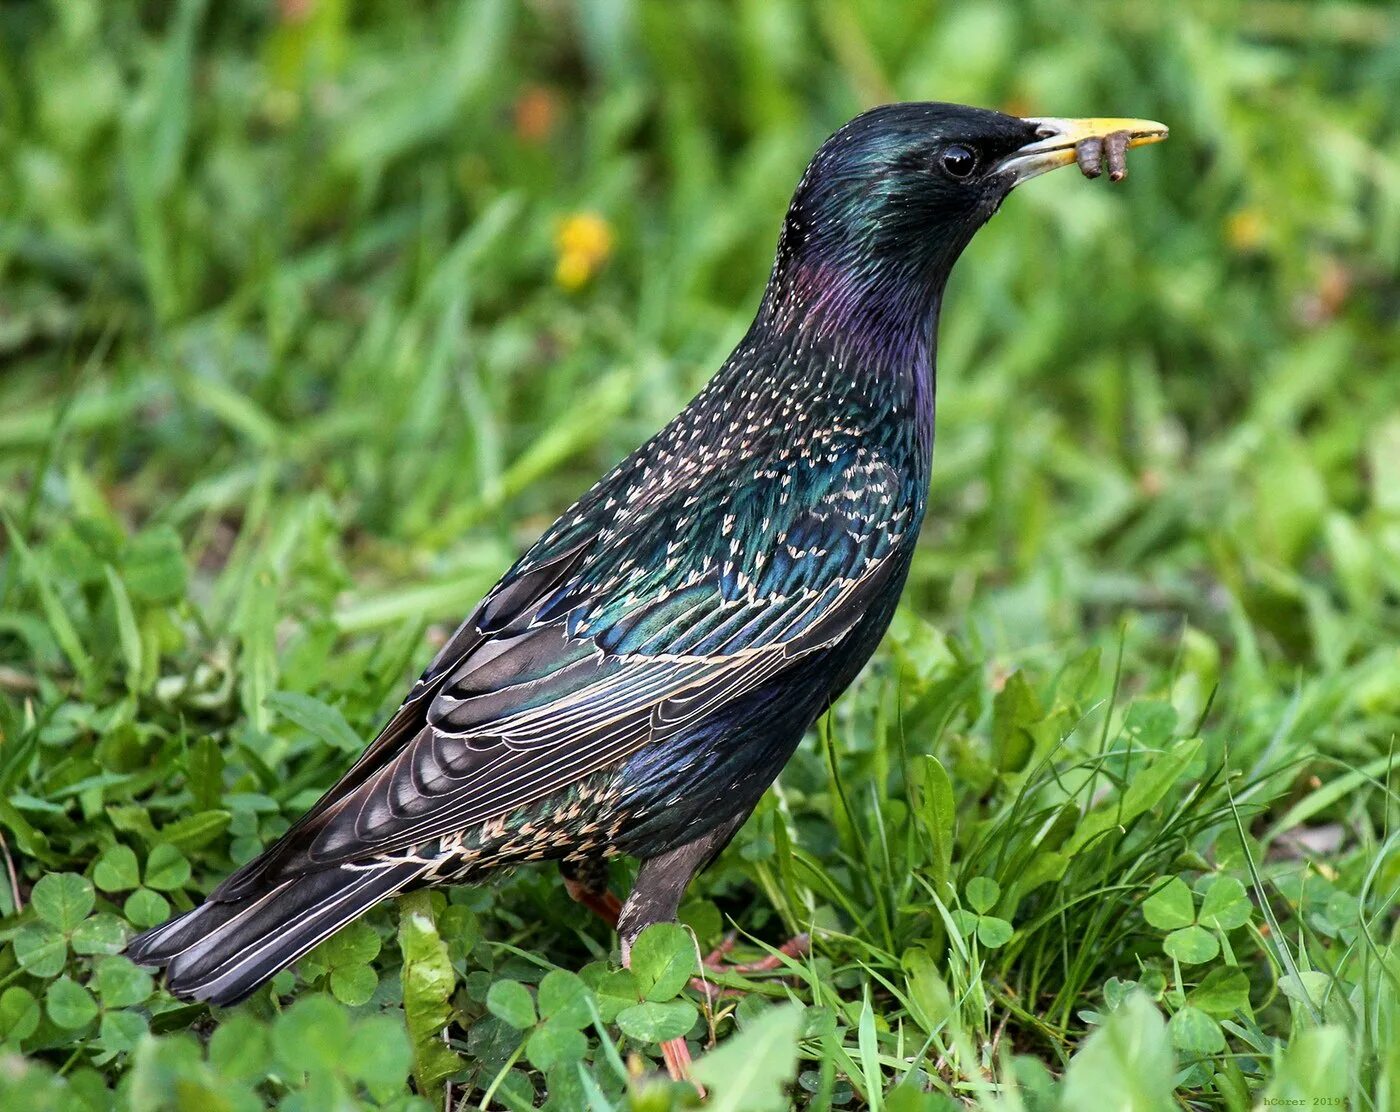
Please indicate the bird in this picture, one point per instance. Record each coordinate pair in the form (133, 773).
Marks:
(636, 681)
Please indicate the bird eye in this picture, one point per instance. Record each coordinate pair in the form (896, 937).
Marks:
(957, 161)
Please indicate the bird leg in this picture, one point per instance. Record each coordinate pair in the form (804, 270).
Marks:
(587, 883)
(656, 898)
(603, 904)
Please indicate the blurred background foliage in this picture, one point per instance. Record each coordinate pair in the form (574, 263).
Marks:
(313, 313)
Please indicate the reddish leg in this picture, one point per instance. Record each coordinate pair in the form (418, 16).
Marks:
(677, 1057)
(674, 1052)
(608, 907)
(655, 898)
(603, 904)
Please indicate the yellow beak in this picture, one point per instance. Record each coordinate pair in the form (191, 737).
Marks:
(1094, 143)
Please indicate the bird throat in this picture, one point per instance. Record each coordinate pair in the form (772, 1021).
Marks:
(879, 325)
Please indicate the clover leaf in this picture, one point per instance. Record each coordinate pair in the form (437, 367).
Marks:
(510, 1002)
(1222, 993)
(1172, 908)
(146, 908)
(117, 870)
(1225, 905)
(69, 1004)
(663, 961)
(19, 1014)
(656, 1021)
(993, 932)
(1194, 1032)
(166, 868)
(564, 1000)
(554, 1043)
(62, 902)
(346, 956)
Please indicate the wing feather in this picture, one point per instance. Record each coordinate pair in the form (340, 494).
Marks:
(581, 656)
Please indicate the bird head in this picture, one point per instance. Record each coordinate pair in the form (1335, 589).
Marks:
(892, 198)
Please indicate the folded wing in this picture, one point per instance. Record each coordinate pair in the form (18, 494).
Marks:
(617, 630)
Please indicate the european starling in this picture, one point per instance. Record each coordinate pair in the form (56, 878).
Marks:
(638, 678)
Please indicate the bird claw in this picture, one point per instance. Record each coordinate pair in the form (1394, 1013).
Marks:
(795, 947)
(715, 958)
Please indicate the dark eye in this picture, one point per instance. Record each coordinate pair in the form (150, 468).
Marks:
(957, 161)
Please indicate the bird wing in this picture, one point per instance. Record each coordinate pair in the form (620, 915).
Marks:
(619, 628)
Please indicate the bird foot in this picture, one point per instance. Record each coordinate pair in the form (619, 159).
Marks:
(796, 947)
(675, 1052)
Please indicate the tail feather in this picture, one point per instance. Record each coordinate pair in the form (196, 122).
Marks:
(224, 951)
(159, 944)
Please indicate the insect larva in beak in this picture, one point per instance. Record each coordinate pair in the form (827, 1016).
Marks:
(1089, 154)
(1116, 147)
(1108, 151)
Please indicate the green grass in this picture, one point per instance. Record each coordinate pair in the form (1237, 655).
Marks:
(287, 377)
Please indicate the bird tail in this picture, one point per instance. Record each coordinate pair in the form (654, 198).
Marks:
(224, 950)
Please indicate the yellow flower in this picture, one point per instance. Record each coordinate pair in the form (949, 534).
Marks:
(584, 242)
(573, 270)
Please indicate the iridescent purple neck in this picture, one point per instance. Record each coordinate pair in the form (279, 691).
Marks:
(881, 324)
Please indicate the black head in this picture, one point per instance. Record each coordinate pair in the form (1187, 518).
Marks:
(907, 179)
(892, 198)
